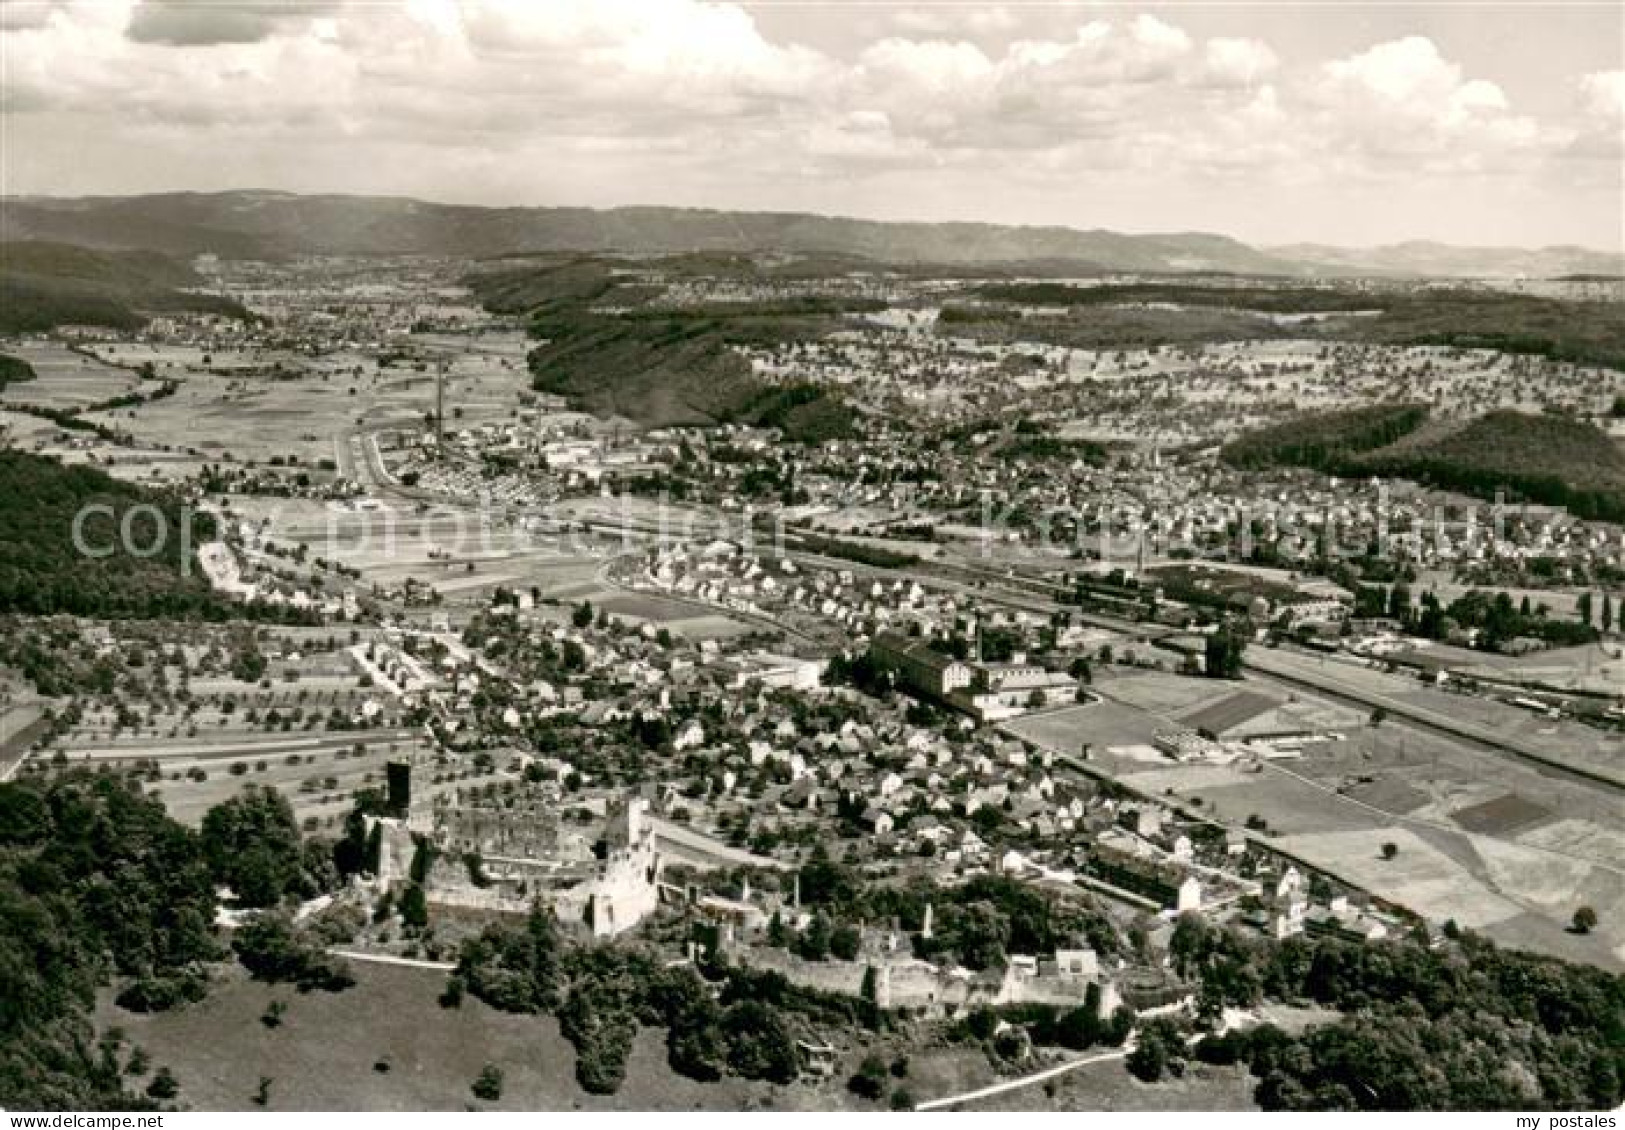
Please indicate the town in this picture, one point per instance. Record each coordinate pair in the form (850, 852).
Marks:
(993, 719)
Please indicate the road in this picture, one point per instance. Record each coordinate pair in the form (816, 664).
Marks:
(391, 959)
(249, 745)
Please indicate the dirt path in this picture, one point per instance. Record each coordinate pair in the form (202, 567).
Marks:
(1026, 1080)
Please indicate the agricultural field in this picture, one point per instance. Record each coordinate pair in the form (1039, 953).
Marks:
(64, 377)
(1483, 838)
(250, 417)
(1569, 742)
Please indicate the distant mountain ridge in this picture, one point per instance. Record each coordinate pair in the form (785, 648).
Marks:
(1427, 258)
(276, 225)
(260, 224)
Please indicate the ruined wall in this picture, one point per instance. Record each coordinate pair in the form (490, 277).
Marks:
(908, 982)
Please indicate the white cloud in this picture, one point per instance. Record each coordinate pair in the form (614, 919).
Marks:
(1238, 62)
(642, 96)
(1403, 107)
(1398, 72)
(1603, 93)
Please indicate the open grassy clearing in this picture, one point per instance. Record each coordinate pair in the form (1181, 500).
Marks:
(326, 1052)
(1109, 1086)
(1160, 692)
(1100, 724)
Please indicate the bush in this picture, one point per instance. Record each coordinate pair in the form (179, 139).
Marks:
(160, 994)
(272, 950)
(869, 1081)
(759, 1044)
(487, 1086)
(163, 1086)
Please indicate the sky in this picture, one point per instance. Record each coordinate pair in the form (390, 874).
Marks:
(1346, 123)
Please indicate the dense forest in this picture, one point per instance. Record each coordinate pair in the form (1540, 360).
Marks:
(42, 572)
(95, 882)
(44, 285)
(1270, 299)
(1466, 1026)
(1325, 441)
(1538, 458)
(1591, 333)
(1541, 458)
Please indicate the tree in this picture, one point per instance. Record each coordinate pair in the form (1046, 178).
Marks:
(163, 1086)
(869, 998)
(1389, 850)
(1585, 920)
(270, 948)
(869, 1081)
(816, 938)
(515, 970)
(487, 1085)
(760, 1046)
(1079, 1028)
(1399, 603)
(1161, 1049)
(844, 941)
(414, 908)
(252, 845)
(1223, 652)
(1147, 1061)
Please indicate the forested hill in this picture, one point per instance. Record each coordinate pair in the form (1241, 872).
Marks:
(43, 572)
(1326, 441)
(46, 284)
(1538, 458)
(607, 352)
(1169, 310)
